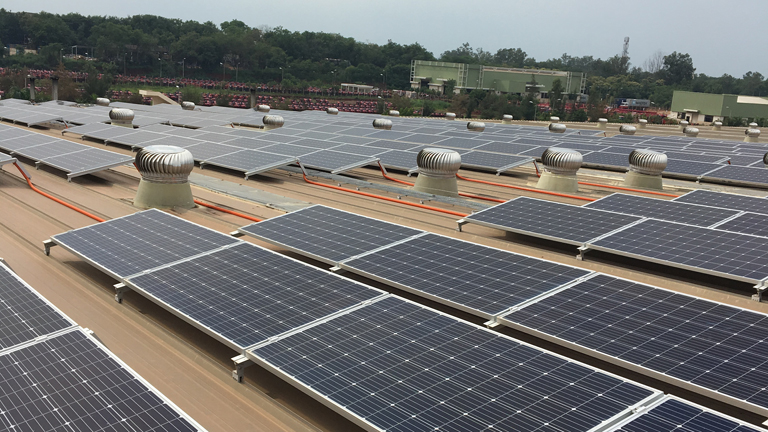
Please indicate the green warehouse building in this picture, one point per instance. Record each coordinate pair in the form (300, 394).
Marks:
(707, 107)
(434, 75)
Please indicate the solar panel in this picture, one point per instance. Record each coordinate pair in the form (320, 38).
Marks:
(725, 200)
(139, 138)
(141, 241)
(397, 366)
(492, 161)
(250, 161)
(711, 251)
(606, 160)
(315, 143)
(462, 143)
(208, 150)
(178, 141)
(688, 169)
(86, 161)
(86, 129)
(713, 346)
(398, 160)
(396, 145)
(746, 223)
(344, 139)
(289, 150)
(696, 157)
(24, 141)
(424, 139)
(672, 211)
(506, 148)
(247, 143)
(335, 162)
(327, 234)
(551, 220)
(245, 294)
(71, 382)
(675, 415)
(481, 280)
(24, 313)
(51, 149)
(359, 150)
(748, 176)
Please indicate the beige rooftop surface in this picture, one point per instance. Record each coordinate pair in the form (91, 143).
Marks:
(192, 369)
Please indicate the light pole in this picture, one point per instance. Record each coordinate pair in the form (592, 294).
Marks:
(183, 66)
(161, 67)
(223, 73)
(61, 55)
(124, 54)
(237, 71)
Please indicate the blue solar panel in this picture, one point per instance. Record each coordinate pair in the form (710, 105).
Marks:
(396, 366)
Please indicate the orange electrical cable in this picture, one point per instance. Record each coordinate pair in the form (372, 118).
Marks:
(66, 204)
(384, 173)
(527, 189)
(381, 197)
(244, 216)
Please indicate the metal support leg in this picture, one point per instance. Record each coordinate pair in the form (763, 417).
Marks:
(120, 290)
(582, 250)
(48, 244)
(460, 223)
(241, 362)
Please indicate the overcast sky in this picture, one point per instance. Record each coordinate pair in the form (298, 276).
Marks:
(721, 37)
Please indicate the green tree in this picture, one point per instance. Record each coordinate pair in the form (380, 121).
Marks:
(678, 68)
(556, 97)
(449, 86)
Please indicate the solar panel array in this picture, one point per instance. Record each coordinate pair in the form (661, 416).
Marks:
(396, 366)
(55, 376)
(72, 158)
(481, 280)
(675, 415)
(725, 200)
(327, 234)
(711, 251)
(24, 313)
(141, 241)
(672, 211)
(551, 220)
(711, 346)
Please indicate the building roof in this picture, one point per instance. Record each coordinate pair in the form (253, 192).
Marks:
(192, 369)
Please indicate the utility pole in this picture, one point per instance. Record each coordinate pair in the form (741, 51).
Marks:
(124, 54)
(183, 66)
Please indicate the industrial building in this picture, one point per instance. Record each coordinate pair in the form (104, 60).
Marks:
(706, 107)
(434, 75)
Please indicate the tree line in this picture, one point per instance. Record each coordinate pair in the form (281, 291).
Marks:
(151, 45)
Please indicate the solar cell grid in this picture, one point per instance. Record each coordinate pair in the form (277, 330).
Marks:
(506, 148)
(289, 150)
(140, 241)
(479, 279)
(25, 141)
(725, 200)
(251, 161)
(86, 161)
(674, 415)
(689, 168)
(398, 160)
(673, 211)
(737, 174)
(551, 220)
(711, 345)
(70, 382)
(462, 143)
(492, 161)
(25, 314)
(335, 162)
(247, 294)
(605, 159)
(328, 234)
(398, 366)
(746, 223)
(51, 149)
(727, 254)
(208, 150)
